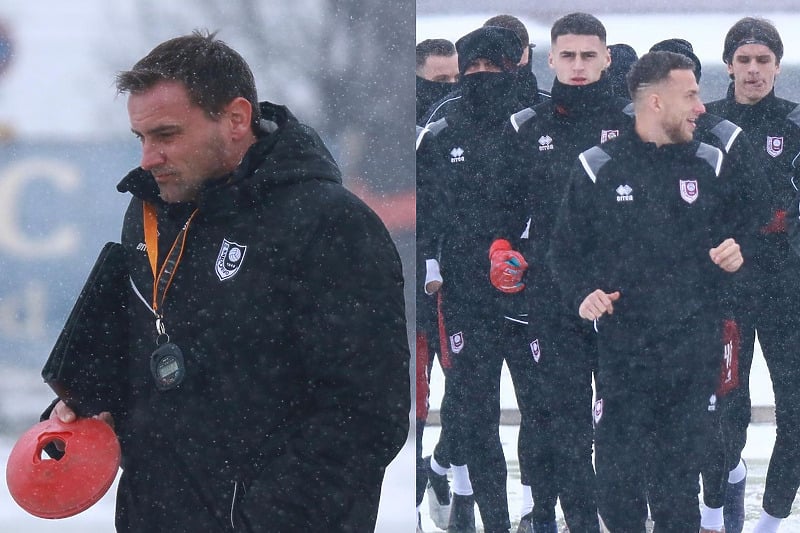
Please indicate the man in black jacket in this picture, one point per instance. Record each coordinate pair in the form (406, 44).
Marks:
(581, 112)
(752, 52)
(437, 72)
(267, 365)
(645, 245)
(469, 221)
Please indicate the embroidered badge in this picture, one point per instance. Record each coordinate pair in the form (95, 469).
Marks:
(689, 191)
(457, 342)
(597, 412)
(535, 350)
(229, 260)
(774, 146)
(607, 135)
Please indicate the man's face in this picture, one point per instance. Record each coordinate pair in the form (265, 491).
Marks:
(578, 59)
(440, 68)
(680, 105)
(754, 68)
(482, 64)
(181, 145)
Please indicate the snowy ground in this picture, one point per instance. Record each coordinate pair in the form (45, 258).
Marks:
(760, 438)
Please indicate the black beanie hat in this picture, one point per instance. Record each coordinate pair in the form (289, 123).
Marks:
(623, 56)
(499, 45)
(751, 30)
(679, 46)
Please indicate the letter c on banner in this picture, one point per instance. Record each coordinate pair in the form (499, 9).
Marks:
(13, 237)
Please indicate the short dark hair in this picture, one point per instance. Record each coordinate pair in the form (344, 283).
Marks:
(578, 24)
(213, 72)
(510, 22)
(752, 30)
(655, 67)
(433, 47)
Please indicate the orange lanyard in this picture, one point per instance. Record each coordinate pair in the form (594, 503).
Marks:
(163, 278)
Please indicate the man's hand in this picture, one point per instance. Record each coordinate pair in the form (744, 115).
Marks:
(597, 304)
(727, 256)
(432, 287)
(63, 412)
(506, 268)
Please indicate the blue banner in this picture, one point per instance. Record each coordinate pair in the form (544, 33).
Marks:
(58, 206)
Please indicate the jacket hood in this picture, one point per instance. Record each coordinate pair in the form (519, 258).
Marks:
(285, 152)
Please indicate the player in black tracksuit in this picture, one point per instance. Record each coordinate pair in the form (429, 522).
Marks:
(550, 136)
(458, 163)
(582, 112)
(773, 125)
(645, 222)
(770, 308)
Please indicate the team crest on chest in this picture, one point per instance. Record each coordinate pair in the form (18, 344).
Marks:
(774, 146)
(689, 191)
(229, 260)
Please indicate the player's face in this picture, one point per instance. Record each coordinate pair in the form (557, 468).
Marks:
(181, 145)
(680, 106)
(441, 68)
(754, 68)
(578, 59)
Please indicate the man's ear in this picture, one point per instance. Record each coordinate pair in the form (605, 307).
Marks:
(239, 114)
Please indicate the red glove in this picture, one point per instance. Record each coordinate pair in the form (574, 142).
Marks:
(777, 224)
(507, 267)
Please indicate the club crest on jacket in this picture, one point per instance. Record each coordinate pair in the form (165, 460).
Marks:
(689, 190)
(774, 146)
(229, 260)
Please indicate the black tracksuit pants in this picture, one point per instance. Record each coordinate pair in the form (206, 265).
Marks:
(655, 393)
(477, 346)
(773, 316)
(559, 449)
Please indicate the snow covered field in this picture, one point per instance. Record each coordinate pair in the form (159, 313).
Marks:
(760, 438)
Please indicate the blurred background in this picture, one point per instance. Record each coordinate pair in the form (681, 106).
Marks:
(344, 67)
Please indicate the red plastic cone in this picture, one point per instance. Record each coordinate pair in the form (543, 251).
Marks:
(50, 488)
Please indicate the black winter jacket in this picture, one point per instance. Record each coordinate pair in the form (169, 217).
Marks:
(773, 125)
(549, 138)
(465, 201)
(297, 388)
(641, 220)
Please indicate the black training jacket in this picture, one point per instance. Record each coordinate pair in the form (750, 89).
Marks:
(773, 126)
(297, 388)
(641, 220)
(549, 138)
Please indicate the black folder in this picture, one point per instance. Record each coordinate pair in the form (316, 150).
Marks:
(88, 363)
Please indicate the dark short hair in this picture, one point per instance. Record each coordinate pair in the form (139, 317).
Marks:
(510, 22)
(655, 67)
(434, 47)
(752, 30)
(578, 24)
(213, 73)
